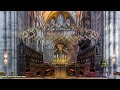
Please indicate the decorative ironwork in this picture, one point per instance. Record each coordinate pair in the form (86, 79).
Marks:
(78, 33)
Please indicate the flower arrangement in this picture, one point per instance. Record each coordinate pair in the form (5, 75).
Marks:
(104, 63)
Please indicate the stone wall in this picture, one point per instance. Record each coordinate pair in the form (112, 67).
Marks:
(11, 22)
(97, 25)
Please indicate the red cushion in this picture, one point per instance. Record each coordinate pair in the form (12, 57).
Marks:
(92, 74)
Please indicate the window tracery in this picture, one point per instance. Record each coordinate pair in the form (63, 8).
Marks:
(60, 22)
(52, 24)
(68, 22)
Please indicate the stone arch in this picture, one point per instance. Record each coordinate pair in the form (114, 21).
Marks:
(67, 43)
(59, 12)
(52, 43)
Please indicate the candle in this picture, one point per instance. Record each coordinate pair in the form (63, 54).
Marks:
(57, 55)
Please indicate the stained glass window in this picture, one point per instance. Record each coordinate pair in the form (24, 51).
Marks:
(60, 19)
(52, 24)
(68, 22)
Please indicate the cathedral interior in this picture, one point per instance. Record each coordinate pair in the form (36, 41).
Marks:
(59, 44)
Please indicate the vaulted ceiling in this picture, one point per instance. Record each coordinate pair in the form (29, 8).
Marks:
(47, 14)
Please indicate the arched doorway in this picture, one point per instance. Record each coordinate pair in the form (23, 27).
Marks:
(62, 52)
(62, 57)
(60, 60)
